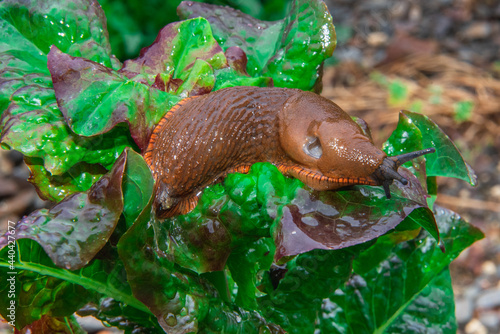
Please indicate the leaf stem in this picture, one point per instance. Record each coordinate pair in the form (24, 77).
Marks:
(85, 282)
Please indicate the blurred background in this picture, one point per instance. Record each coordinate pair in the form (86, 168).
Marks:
(440, 58)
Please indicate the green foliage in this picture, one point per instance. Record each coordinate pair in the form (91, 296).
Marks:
(260, 253)
(134, 24)
(463, 110)
(275, 49)
(398, 92)
(378, 296)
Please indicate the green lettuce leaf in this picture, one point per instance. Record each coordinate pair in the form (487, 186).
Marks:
(31, 122)
(66, 325)
(447, 161)
(43, 289)
(75, 229)
(310, 277)
(432, 310)
(379, 299)
(187, 302)
(290, 51)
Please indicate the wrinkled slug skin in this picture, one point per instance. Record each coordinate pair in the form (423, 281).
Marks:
(204, 138)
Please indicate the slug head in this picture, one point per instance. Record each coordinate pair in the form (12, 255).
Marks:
(386, 173)
(320, 137)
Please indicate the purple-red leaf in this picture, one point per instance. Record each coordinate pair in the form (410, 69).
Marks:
(75, 229)
(338, 219)
(94, 98)
(176, 49)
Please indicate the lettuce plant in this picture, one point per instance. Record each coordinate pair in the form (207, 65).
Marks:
(261, 253)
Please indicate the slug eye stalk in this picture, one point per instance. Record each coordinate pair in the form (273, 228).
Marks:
(387, 172)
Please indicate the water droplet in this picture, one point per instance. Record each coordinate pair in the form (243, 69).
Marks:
(27, 286)
(170, 319)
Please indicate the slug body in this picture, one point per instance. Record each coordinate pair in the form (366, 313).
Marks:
(306, 136)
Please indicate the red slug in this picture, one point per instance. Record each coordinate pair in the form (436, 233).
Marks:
(203, 138)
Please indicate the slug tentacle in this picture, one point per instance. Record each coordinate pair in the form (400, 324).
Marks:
(402, 158)
(386, 173)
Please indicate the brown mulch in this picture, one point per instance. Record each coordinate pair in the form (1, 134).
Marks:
(436, 82)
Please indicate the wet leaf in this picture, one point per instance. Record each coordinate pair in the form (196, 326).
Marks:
(45, 289)
(246, 264)
(113, 312)
(76, 27)
(133, 25)
(406, 138)
(236, 74)
(31, 122)
(48, 325)
(94, 98)
(228, 215)
(447, 161)
(177, 47)
(383, 298)
(290, 51)
(432, 310)
(187, 303)
(339, 219)
(55, 188)
(41, 132)
(311, 276)
(137, 187)
(75, 229)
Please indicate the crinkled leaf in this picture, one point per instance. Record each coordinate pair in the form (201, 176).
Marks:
(76, 27)
(200, 80)
(133, 25)
(373, 301)
(78, 178)
(236, 74)
(433, 310)
(75, 229)
(177, 47)
(29, 29)
(246, 264)
(228, 215)
(49, 325)
(41, 132)
(31, 122)
(301, 220)
(45, 289)
(338, 219)
(447, 161)
(290, 51)
(186, 303)
(94, 98)
(311, 276)
(228, 77)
